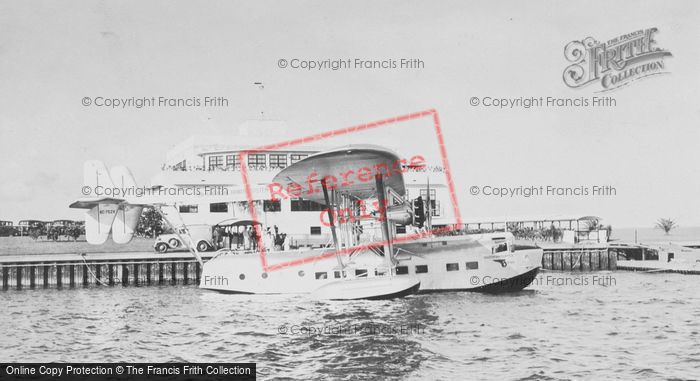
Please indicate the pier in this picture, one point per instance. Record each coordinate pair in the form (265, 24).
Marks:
(98, 269)
(36, 271)
(586, 258)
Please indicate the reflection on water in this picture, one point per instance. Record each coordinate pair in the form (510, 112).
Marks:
(640, 325)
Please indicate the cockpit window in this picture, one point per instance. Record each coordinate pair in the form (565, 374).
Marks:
(501, 247)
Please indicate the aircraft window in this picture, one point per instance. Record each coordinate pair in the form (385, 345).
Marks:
(241, 277)
(421, 269)
(315, 230)
(379, 272)
(264, 275)
(400, 229)
(336, 274)
(361, 272)
(500, 248)
(301, 272)
(472, 265)
(452, 266)
(401, 270)
(322, 275)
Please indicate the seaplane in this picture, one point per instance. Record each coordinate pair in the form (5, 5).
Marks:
(363, 193)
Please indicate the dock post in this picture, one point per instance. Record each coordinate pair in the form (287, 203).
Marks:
(46, 275)
(71, 275)
(59, 276)
(173, 272)
(19, 277)
(198, 271)
(86, 280)
(148, 273)
(612, 258)
(125, 275)
(98, 275)
(110, 274)
(136, 274)
(5, 276)
(32, 277)
(160, 272)
(567, 265)
(185, 272)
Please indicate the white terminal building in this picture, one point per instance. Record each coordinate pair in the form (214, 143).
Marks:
(211, 165)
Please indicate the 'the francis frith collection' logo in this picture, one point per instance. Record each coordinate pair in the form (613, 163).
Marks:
(614, 63)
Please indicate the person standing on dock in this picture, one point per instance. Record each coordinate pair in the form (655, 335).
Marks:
(246, 238)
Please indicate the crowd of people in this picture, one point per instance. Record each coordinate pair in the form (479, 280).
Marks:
(232, 237)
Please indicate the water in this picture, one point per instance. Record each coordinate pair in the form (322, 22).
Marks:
(611, 325)
(648, 235)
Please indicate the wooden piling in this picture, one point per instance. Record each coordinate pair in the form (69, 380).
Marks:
(66, 272)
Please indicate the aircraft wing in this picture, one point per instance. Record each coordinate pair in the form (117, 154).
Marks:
(351, 169)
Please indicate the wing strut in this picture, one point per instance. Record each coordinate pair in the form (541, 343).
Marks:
(386, 236)
(330, 219)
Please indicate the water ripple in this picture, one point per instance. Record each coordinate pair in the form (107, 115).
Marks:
(644, 326)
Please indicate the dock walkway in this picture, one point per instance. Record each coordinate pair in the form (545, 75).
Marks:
(84, 270)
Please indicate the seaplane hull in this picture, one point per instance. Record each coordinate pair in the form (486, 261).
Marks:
(435, 264)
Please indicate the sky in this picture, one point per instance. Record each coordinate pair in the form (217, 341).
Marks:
(54, 54)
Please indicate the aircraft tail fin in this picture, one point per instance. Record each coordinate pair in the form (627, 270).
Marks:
(127, 217)
(105, 213)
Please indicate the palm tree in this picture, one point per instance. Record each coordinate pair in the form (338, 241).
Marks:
(666, 224)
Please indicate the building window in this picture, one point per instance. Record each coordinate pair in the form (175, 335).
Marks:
(424, 194)
(278, 160)
(218, 207)
(435, 208)
(401, 270)
(421, 269)
(434, 203)
(232, 161)
(452, 267)
(297, 157)
(216, 161)
(301, 205)
(272, 206)
(315, 230)
(472, 265)
(257, 160)
(189, 209)
(322, 275)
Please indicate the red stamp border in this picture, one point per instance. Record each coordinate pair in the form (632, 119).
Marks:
(339, 132)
